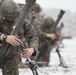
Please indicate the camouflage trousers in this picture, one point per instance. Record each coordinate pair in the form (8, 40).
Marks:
(45, 57)
(10, 67)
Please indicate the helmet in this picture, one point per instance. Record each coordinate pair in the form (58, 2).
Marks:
(48, 22)
(10, 10)
(36, 7)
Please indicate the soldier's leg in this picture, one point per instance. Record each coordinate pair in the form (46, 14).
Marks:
(46, 56)
(11, 66)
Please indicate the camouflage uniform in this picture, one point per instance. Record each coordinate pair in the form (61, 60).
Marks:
(43, 28)
(34, 17)
(10, 67)
(31, 17)
(46, 28)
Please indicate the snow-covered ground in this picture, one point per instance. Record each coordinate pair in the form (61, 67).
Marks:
(69, 55)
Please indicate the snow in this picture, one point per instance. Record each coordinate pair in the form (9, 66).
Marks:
(69, 55)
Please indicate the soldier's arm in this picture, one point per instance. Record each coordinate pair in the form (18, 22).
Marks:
(43, 34)
(31, 35)
(39, 31)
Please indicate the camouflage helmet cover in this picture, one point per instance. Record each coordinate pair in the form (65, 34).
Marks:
(48, 22)
(36, 7)
(10, 10)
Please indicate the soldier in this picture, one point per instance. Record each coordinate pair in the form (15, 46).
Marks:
(10, 12)
(33, 16)
(43, 29)
(46, 27)
(44, 32)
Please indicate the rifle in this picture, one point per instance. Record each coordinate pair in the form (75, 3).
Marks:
(6, 47)
(46, 42)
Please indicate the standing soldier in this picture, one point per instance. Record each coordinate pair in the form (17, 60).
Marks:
(31, 16)
(10, 12)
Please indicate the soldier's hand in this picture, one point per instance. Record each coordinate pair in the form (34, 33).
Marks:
(52, 36)
(13, 40)
(57, 43)
(29, 52)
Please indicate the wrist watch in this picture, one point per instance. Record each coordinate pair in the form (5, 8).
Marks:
(4, 37)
